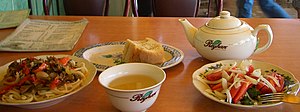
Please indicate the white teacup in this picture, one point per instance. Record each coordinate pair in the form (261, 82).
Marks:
(132, 100)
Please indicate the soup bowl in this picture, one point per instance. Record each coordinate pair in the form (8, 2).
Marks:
(137, 98)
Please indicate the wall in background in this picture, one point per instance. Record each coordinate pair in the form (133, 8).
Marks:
(56, 6)
(13, 5)
(8, 5)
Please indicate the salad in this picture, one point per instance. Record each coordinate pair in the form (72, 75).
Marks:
(241, 83)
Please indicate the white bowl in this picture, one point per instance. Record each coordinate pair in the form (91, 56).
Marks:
(132, 100)
(257, 64)
(46, 103)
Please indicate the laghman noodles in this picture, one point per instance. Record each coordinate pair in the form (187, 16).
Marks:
(32, 79)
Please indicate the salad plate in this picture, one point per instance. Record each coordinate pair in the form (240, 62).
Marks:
(49, 102)
(203, 87)
(105, 55)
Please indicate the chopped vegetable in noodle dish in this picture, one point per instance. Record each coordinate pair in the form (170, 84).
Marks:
(241, 83)
(32, 79)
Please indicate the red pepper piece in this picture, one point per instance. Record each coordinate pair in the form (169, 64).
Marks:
(40, 68)
(6, 88)
(64, 61)
(23, 80)
(34, 80)
(23, 63)
(54, 83)
(26, 70)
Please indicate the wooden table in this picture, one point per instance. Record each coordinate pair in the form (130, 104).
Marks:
(177, 92)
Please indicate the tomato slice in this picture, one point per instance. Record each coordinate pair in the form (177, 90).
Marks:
(266, 89)
(241, 76)
(234, 91)
(242, 91)
(281, 82)
(217, 87)
(214, 76)
(231, 80)
(259, 85)
(250, 70)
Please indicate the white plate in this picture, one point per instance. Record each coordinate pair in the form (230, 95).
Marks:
(46, 103)
(109, 54)
(257, 64)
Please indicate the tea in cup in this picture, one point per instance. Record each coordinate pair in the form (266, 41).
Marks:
(132, 87)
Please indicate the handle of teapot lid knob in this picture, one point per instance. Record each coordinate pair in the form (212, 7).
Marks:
(268, 29)
(224, 14)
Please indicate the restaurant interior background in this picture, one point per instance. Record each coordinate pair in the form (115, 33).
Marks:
(117, 6)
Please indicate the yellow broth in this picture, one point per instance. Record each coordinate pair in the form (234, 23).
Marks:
(132, 82)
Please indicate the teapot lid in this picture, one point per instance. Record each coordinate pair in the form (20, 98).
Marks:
(224, 21)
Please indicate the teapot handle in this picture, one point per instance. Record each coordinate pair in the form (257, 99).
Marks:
(270, 37)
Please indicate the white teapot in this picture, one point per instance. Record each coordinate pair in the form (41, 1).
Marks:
(226, 37)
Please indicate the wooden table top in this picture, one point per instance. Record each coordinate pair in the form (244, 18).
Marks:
(177, 92)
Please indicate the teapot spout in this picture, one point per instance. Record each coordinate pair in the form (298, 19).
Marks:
(190, 30)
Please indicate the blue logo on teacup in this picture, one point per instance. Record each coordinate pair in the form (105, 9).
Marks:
(142, 97)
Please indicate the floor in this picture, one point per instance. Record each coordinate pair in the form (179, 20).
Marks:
(229, 5)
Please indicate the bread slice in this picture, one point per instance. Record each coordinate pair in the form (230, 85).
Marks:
(146, 51)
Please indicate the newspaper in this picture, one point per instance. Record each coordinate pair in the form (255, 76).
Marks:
(9, 19)
(44, 35)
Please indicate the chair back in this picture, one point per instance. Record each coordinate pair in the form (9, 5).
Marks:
(175, 8)
(86, 7)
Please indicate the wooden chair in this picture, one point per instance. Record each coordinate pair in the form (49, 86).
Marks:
(175, 8)
(29, 6)
(91, 7)
(86, 7)
(45, 6)
(296, 5)
(179, 8)
(218, 7)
